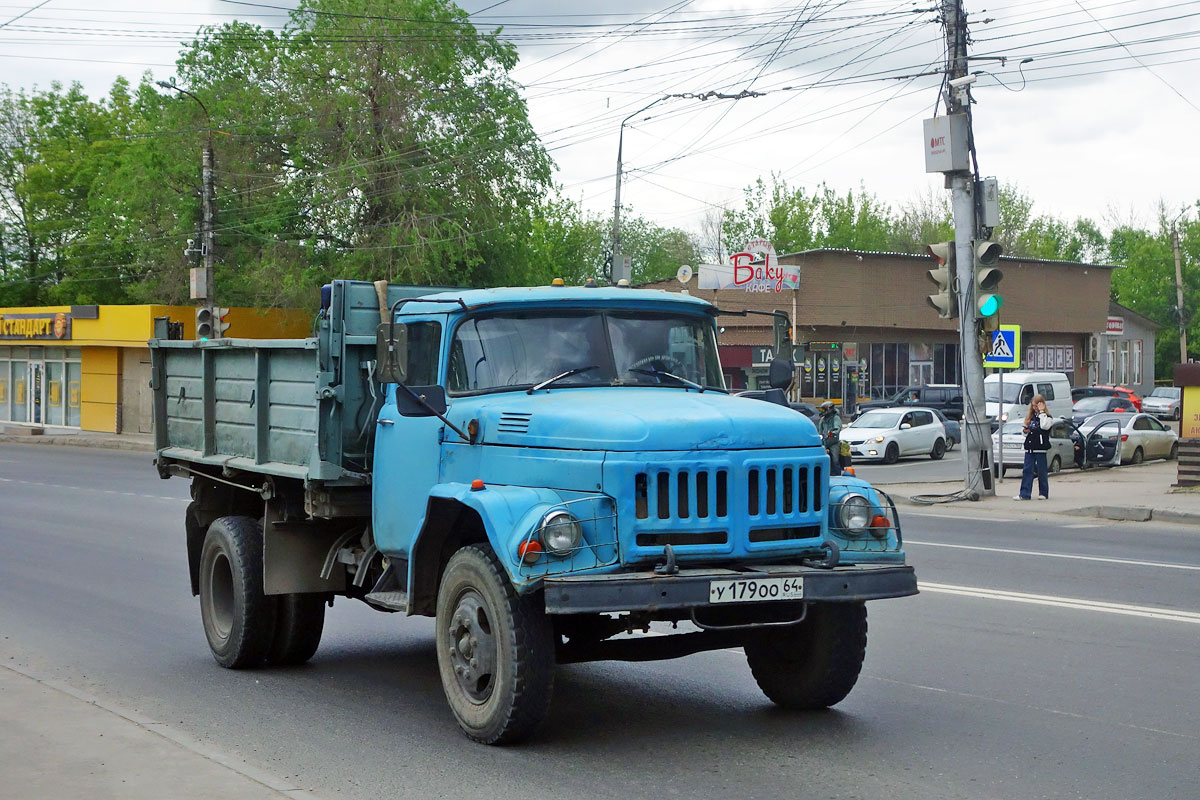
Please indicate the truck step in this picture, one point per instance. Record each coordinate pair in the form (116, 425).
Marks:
(392, 601)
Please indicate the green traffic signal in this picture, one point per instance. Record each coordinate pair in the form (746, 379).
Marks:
(989, 304)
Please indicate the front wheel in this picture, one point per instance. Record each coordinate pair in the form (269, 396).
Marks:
(815, 663)
(1174, 454)
(939, 450)
(495, 650)
(892, 454)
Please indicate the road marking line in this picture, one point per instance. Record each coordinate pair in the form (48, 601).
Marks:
(968, 517)
(1130, 562)
(1148, 612)
(90, 489)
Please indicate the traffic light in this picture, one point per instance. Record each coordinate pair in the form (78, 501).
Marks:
(987, 277)
(204, 323)
(220, 325)
(945, 300)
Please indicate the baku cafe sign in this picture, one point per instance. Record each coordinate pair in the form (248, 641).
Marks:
(756, 269)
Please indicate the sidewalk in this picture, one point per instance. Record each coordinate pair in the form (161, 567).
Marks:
(19, 434)
(56, 742)
(1134, 493)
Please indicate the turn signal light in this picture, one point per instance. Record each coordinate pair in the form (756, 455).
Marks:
(850, 471)
(879, 521)
(530, 551)
(476, 484)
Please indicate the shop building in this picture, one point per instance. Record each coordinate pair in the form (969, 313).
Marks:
(88, 367)
(864, 328)
(1122, 353)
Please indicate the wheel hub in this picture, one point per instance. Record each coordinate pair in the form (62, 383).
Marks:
(473, 647)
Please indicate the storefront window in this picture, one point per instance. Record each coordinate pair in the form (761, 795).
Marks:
(34, 385)
(889, 369)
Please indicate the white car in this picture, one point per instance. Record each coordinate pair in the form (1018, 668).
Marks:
(886, 434)
(1142, 436)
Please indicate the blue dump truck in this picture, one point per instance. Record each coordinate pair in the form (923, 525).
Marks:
(545, 471)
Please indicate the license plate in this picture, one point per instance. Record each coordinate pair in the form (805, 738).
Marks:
(1012, 445)
(752, 590)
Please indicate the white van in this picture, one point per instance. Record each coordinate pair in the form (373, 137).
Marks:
(1019, 389)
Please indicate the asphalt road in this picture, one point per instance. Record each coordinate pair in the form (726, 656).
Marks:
(1042, 660)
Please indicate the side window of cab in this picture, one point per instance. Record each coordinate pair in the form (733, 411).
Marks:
(424, 346)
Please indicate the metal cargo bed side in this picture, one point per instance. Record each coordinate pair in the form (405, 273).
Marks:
(243, 404)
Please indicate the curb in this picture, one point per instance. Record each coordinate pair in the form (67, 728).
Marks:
(1115, 513)
(78, 441)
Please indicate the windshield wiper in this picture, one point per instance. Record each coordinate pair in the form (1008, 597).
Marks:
(654, 373)
(556, 378)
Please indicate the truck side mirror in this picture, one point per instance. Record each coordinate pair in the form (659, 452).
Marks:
(391, 352)
(780, 373)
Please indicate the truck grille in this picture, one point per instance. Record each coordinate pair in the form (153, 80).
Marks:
(754, 503)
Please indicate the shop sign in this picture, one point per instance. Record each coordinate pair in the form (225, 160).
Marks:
(35, 326)
(763, 356)
(1115, 326)
(742, 273)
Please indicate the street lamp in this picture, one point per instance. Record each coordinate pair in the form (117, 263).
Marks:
(207, 197)
(618, 262)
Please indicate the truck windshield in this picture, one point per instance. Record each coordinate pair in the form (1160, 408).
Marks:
(518, 350)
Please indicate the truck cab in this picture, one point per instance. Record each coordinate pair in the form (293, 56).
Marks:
(551, 470)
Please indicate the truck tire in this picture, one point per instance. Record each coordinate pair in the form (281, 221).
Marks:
(239, 620)
(495, 650)
(814, 664)
(299, 620)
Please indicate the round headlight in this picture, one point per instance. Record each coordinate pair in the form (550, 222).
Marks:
(560, 532)
(854, 513)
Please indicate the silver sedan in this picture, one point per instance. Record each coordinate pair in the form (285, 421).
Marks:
(1142, 436)
(1060, 455)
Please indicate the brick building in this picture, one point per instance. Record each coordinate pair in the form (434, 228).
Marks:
(865, 328)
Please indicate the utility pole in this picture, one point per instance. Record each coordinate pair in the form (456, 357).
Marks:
(208, 203)
(977, 449)
(1183, 348)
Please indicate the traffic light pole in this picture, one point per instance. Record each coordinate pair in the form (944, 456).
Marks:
(977, 450)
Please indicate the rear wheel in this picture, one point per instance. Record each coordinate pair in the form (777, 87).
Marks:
(239, 620)
(1178, 415)
(892, 454)
(939, 450)
(495, 650)
(1055, 464)
(1138, 456)
(815, 663)
(300, 619)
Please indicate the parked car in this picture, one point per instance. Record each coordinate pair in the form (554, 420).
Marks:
(945, 397)
(886, 434)
(1080, 392)
(1163, 402)
(953, 429)
(1012, 453)
(1142, 436)
(1019, 388)
(1098, 404)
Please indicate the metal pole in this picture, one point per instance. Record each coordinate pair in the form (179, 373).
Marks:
(977, 448)
(618, 263)
(795, 373)
(1003, 422)
(1183, 348)
(208, 216)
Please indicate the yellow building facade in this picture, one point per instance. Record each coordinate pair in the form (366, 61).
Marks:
(88, 367)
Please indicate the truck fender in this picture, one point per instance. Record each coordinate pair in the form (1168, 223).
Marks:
(457, 515)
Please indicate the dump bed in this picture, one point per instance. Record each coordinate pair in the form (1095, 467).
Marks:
(298, 408)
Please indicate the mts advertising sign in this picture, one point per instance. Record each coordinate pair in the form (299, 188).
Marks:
(756, 269)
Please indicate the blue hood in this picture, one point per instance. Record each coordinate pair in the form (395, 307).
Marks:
(634, 419)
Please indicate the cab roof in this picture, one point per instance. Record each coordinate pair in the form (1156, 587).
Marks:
(568, 296)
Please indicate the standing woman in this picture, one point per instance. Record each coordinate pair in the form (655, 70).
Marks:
(1037, 441)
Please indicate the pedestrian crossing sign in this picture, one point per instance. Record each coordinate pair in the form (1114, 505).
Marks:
(1005, 349)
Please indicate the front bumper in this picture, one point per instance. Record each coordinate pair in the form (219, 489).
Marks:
(647, 591)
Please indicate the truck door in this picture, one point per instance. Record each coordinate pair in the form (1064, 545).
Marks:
(407, 449)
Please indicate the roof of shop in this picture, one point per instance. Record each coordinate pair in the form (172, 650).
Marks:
(1027, 259)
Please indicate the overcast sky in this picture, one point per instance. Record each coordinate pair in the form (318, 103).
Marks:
(1102, 123)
